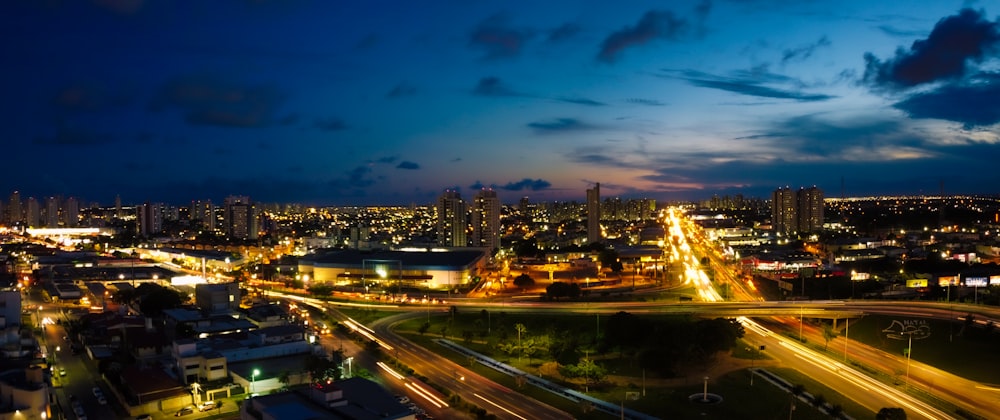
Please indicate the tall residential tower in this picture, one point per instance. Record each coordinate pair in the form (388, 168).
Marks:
(451, 219)
(486, 220)
(594, 214)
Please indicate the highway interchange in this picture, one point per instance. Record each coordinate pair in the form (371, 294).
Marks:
(972, 397)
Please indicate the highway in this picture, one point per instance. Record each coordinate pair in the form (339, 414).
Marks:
(470, 386)
(970, 396)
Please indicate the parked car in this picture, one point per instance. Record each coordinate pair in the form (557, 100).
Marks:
(62, 371)
(144, 417)
(207, 405)
(97, 392)
(184, 411)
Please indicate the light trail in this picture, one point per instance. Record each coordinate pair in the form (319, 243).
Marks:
(498, 406)
(390, 371)
(426, 394)
(850, 374)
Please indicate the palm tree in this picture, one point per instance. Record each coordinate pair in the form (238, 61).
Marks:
(520, 329)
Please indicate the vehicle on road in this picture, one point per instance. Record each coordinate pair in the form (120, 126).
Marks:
(144, 417)
(97, 391)
(62, 371)
(184, 411)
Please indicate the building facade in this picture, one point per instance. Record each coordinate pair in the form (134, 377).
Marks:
(451, 220)
(486, 220)
(796, 211)
(594, 214)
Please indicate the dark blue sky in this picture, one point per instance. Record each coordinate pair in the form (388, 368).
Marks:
(390, 102)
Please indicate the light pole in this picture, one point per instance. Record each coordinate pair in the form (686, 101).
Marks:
(909, 349)
(253, 379)
(800, 323)
(350, 371)
(847, 329)
(427, 303)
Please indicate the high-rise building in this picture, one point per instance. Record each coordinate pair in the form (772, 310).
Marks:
(784, 211)
(203, 211)
(796, 211)
(240, 218)
(14, 212)
(810, 202)
(451, 219)
(594, 214)
(71, 214)
(32, 214)
(150, 217)
(52, 212)
(118, 207)
(486, 220)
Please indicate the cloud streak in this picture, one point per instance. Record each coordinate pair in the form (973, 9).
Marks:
(750, 86)
(559, 125)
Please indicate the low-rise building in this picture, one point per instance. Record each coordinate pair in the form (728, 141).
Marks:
(354, 399)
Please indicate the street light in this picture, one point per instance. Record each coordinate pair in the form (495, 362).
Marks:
(909, 349)
(253, 379)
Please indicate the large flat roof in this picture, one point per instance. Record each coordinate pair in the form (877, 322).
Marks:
(356, 258)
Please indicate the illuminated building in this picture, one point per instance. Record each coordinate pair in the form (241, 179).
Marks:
(451, 220)
(486, 220)
(797, 211)
(150, 219)
(240, 218)
(594, 214)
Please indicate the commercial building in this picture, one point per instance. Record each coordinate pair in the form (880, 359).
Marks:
(393, 270)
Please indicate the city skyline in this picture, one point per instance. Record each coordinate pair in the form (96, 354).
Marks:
(391, 103)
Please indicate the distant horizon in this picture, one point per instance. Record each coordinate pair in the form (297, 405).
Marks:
(84, 203)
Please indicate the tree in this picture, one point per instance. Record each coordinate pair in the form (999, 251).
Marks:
(828, 334)
(835, 411)
(321, 290)
(321, 369)
(560, 289)
(424, 327)
(521, 329)
(819, 401)
(158, 298)
(890, 413)
(524, 281)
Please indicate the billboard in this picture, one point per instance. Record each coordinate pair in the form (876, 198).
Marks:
(948, 281)
(914, 283)
(976, 281)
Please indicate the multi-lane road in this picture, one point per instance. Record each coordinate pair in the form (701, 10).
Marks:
(972, 397)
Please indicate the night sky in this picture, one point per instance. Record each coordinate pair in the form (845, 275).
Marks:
(390, 102)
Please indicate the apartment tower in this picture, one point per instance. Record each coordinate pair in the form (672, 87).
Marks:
(486, 220)
(594, 214)
(451, 221)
